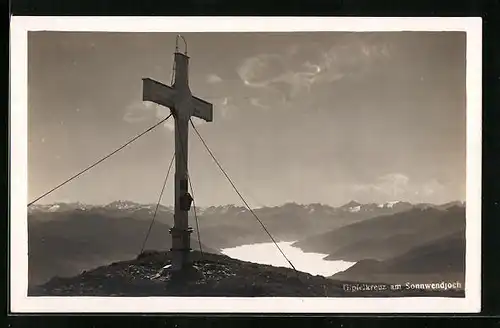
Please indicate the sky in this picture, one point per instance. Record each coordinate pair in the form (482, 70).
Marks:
(316, 117)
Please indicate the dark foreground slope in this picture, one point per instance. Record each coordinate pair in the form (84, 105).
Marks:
(76, 240)
(216, 276)
(440, 260)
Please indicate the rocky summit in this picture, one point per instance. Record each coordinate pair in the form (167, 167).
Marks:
(212, 275)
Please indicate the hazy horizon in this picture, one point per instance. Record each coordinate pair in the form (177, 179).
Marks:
(41, 203)
(320, 117)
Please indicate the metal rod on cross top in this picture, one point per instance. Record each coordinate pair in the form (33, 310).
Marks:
(177, 44)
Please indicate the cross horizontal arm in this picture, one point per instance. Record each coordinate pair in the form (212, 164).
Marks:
(202, 109)
(164, 95)
(158, 93)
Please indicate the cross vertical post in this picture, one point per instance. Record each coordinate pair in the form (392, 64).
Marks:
(183, 105)
(181, 232)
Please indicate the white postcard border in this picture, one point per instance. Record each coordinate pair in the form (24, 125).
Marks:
(20, 302)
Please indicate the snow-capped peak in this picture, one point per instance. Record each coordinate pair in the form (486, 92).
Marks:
(122, 204)
(225, 209)
(354, 209)
(392, 203)
(352, 206)
(388, 204)
(54, 208)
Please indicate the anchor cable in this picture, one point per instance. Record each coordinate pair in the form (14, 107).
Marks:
(100, 161)
(158, 204)
(195, 216)
(239, 194)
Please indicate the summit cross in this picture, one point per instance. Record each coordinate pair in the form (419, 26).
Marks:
(182, 105)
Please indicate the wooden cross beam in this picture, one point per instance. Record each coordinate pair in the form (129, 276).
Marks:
(183, 105)
(164, 95)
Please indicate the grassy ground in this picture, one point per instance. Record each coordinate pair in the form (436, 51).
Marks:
(214, 275)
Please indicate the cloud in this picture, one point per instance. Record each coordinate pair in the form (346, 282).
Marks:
(433, 188)
(300, 67)
(271, 71)
(213, 78)
(256, 102)
(394, 184)
(170, 124)
(140, 111)
(389, 186)
(261, 70)
(398, 186)
(133, 117)
(224, 106)
(350, 58)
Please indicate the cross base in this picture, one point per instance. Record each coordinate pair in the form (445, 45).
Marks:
(180, 251)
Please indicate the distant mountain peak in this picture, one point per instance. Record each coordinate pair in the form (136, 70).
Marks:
(54, 208)
(352, 203)
(122, 204)
(456, 203)
(353, 206)
(395, 204)
(222, 209)
(389, 204)
(120, 201)
(58, 207)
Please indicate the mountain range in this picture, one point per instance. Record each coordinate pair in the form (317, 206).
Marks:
(386, 236)
(65, 239)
